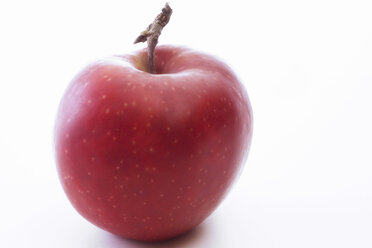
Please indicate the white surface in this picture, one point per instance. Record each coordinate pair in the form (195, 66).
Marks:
(307, 66)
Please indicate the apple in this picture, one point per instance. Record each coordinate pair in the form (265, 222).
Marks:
(149, 156)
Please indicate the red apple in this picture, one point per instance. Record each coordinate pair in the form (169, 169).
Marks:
(150, 156)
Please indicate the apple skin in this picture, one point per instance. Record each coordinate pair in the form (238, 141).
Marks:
(150, 156)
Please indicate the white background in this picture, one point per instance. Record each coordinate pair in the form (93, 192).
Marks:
(307, 66)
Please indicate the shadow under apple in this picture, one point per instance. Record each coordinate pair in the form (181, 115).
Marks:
(188, 239)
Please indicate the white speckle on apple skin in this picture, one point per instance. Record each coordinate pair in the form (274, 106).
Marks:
(68, 177)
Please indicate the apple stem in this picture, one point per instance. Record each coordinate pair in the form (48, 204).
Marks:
(152, 33)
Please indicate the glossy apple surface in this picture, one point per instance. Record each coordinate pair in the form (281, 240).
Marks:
(150, 156)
